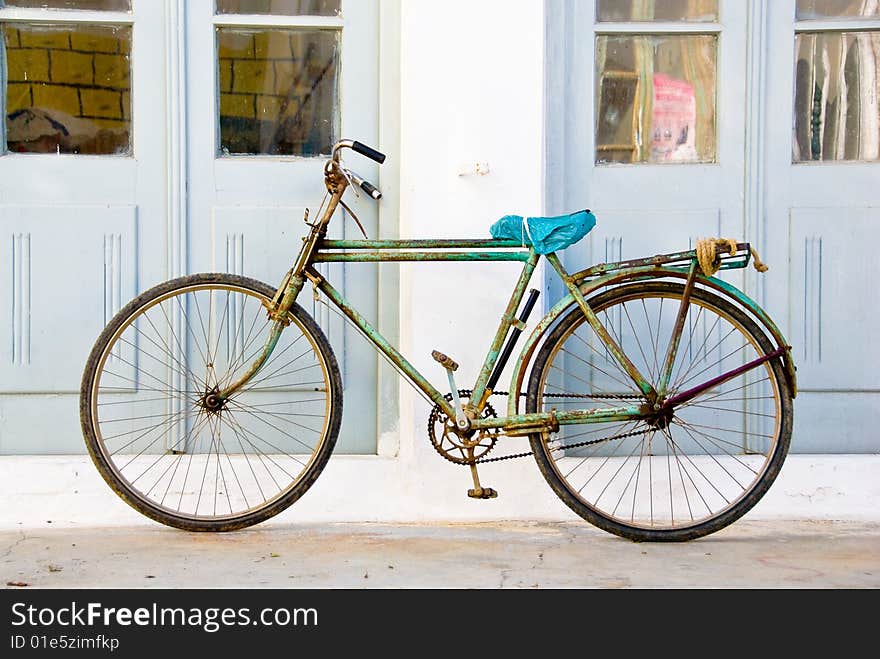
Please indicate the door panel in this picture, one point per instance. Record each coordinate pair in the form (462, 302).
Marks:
(656, 146)
(59, 306)
(119, 193)
(795, 169)
(830, 294)
(268, 94)
(821, 212)
(659, 136)
(82, 198)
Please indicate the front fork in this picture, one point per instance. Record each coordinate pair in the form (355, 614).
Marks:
(279, 307)
(277, 311)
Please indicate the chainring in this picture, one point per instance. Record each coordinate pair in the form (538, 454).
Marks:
(450, 444)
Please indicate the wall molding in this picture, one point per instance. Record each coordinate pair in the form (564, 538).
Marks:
(21, 299)
(754, 177)
(176, 140)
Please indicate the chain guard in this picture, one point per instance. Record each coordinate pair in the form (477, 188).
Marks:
(450, 444)
(487, 438)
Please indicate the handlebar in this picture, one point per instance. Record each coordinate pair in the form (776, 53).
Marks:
(369, 152)
(358, 147)
(364, 150)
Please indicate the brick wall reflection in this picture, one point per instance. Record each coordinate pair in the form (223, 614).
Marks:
(278, 91)
(68, 89)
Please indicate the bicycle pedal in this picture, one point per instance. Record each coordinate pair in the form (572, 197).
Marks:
(483, 493)
(444, 361)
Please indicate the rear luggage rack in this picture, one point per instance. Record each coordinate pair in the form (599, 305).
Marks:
(739, 259)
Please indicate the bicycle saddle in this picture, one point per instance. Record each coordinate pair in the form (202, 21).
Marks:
(545, 234)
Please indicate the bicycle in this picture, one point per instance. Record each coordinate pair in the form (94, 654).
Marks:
(212, 402)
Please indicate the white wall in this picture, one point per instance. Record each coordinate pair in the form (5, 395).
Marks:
(472, 84)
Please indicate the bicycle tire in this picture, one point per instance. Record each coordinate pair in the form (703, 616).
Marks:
(149, 389)
(558, 462)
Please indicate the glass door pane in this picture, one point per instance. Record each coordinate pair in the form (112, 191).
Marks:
(280, 7)
(100, 5)
(279, 91)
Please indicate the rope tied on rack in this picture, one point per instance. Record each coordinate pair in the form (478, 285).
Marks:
(707, 254)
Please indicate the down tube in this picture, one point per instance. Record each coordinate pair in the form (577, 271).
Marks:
(376, 338)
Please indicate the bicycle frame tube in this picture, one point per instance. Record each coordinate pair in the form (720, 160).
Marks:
(376, 338)
(508, 320)
(612, 345)
(544, 419)
(393, 250)
(539, 419)
(675, 339)
(375, 251)
(293, 283)
(611, 277)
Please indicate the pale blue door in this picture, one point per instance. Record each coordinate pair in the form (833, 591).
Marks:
(82, 198)
(269, 88)
(757, 120)
(822, 213)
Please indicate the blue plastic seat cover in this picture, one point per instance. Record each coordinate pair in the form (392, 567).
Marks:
(545, 234)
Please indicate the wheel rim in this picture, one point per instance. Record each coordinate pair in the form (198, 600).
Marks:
(675, 473)
(171, 442)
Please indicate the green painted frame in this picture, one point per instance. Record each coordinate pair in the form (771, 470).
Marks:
(480, 250)
(317, 249)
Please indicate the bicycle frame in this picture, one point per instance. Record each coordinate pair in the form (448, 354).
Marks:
(395, 251)
(317, 249)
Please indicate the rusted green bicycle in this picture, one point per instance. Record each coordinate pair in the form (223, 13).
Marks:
(657, 399)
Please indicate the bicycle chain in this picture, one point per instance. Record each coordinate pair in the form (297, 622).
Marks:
(566, 446)
(467, 394)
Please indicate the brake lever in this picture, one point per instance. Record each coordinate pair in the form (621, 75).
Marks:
(363, 184)
(354, 217)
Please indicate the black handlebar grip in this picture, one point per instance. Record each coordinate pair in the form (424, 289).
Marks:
(370, 153)
(371, 190)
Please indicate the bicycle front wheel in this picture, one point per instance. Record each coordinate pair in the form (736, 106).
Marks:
(168, 445)
(674, 478)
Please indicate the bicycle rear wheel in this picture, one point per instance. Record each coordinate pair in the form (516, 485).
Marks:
(677, 478)
(186, 459)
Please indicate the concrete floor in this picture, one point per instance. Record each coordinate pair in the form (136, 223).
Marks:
(748, 554)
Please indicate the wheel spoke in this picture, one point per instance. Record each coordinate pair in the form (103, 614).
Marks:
(171, 446)
(689, 472)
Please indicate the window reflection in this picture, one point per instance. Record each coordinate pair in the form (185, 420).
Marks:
(94, 5)
(837, 84)
(818, 9)
(656, 98)
(280, 7)
(67, 88)
(278, 91)
(657, 10)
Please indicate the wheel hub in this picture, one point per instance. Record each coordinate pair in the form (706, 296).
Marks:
(213, 402)
(662, 417)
